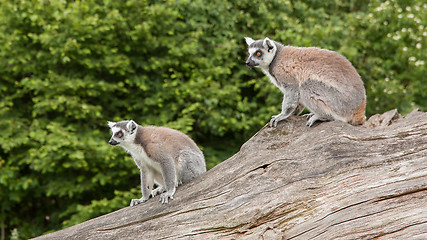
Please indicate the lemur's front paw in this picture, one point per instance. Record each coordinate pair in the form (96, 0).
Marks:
(277, 118)
(311, 118)
(165, 196)
(134, 202)
(157, 191)
(308, 115)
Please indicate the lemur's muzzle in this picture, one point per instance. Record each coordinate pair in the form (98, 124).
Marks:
(251, 63)
(113, 142)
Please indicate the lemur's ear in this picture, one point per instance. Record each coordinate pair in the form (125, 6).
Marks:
(268, 44)
(131, 126)
(111, 124)
(249, 40)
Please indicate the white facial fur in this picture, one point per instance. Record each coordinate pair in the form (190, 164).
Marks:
(249, 40)
(114, 131)
(111, 124)
(267, 49)
(127, 136)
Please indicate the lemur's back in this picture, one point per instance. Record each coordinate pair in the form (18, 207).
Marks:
(324, 65)
(166, 138)
(162, 140)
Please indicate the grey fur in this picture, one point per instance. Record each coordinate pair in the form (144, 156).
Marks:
(165, 157)
(274, 61)
(335, 99)
(121, 124)
(257, 44)
(323, 81)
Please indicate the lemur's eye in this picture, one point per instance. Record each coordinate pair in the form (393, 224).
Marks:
(119, 134)
(258, 54)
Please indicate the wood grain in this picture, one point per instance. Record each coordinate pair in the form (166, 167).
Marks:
(330, 181)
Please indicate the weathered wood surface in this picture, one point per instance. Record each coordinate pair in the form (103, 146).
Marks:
(330, 181)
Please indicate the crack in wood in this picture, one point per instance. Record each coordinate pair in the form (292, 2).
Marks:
(214, 196)
(398, 230)
(387, 197)
(193, 210)
(341, 209)
(136, 222)
(299, 234)
(222, 229)
(263, 166)
(348, 220)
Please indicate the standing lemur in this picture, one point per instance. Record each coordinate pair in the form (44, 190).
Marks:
(164, 156)
(321, 80)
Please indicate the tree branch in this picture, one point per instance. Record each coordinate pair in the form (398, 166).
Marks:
(330, 181)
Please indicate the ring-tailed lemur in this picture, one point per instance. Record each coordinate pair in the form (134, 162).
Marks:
(321, 80)
(164, 156)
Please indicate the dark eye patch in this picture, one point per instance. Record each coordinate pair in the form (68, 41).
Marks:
(258, 53)
(119, 134)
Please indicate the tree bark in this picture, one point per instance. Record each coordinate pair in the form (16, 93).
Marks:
(329, 181)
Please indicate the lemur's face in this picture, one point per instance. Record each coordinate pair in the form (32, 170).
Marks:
(121, 132)
(261, 52)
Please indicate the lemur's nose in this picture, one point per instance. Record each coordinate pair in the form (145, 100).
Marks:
(112, 142)
(250, 63)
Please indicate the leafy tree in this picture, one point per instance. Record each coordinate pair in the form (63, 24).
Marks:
(388, 41)
(69, 66)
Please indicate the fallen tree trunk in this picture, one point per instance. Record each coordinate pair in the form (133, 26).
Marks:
(330, 181)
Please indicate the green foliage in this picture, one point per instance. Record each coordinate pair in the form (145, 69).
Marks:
(391, 39)
(69, 66)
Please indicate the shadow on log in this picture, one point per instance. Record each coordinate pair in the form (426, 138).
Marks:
(330, 181)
